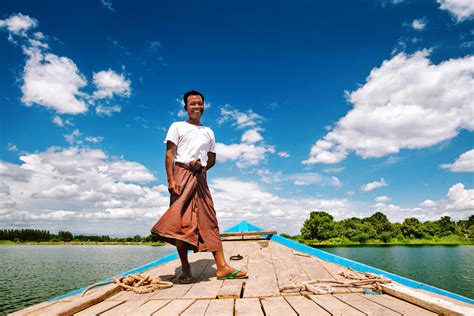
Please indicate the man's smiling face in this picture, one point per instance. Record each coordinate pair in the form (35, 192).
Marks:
(195, 107)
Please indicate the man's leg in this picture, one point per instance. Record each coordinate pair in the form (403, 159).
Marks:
(183, 256)
(223, 269)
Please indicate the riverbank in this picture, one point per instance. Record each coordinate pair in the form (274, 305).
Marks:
(451, 240)
(72, 243)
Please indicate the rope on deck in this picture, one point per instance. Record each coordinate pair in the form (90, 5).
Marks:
(139, 283)
(326, 286)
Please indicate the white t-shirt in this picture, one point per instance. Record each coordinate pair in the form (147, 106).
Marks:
(193, 141)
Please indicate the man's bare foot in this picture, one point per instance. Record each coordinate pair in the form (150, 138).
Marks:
(185, 276)
(186, 269)
(227, 270)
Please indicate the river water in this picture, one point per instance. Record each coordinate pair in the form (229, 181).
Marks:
(32, 274)
(450, 268)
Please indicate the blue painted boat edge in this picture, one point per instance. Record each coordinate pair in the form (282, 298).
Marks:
(246, 226)
(145, 267)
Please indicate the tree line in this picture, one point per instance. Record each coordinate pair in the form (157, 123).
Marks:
(39, 235)
(321, 226)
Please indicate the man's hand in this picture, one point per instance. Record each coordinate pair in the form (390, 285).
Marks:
(174, 188)
(196, 166)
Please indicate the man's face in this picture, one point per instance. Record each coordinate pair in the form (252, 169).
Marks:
(195, 107)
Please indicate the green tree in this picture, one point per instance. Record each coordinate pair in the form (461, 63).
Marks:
(447, 226)
(379, 223)
(65, 236)
(311, 227)
(412, 228)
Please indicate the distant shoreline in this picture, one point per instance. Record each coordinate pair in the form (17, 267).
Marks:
(382, 244)
(87, 243)
(312, 244)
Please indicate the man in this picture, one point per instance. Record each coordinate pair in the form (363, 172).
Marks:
(190, 223)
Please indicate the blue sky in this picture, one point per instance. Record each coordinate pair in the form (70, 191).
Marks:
(316, 105)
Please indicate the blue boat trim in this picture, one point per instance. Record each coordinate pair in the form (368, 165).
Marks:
(245, 226)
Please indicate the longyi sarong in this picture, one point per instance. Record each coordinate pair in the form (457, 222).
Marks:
(191, 216)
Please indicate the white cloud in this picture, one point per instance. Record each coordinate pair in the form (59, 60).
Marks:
(108, 4)
(461, 9)
(12, 147)
(244, 198)
(53, 82)
(59, 192)
(109, 84)
(406, 103)
(56, 82)
(419, 24)
(459, 203)
(95, 140)
(311, 178)
(374, 185)
(252, 136)
(333, 170)
(18, 24)
(283, 154)
(246, 155)
(306, 178)
(73, 138)
(382, 198)
(335, 182)
(238, 118)
(107, 110)
(464, 163)
(58, 121)
(77, 187)
(269, 177)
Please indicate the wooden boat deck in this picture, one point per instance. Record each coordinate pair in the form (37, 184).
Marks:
(270, 266)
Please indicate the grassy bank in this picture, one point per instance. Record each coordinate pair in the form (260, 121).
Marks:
(8, 242)
(450, 240)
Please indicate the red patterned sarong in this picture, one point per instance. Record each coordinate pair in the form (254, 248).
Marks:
(191, 216)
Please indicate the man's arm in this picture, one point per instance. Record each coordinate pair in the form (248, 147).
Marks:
(169, 164)
(211, 160)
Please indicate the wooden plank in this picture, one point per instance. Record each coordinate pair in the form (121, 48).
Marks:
(335, 306)
(198, 308)
(313, 268)
(288, 270)
(248, 307)
(262, 281)
(86, 301)
(199, 262)
(230, 289)
(173, 308)
(334, 269)
(48, 310)
(124, 309)
(304, 306)
(99, 308)
(223, 307)
(149, 307)
(434, 304)
(398, 305)
(132, 296)
(365, 306)
(207, 286)
(277, 306)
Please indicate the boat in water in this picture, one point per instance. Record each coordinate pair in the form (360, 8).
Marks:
(284, 278)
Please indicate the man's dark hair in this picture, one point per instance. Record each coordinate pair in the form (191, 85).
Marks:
(192, 92)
